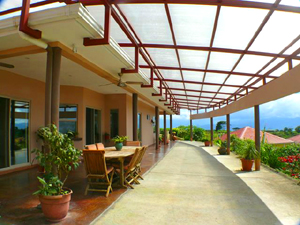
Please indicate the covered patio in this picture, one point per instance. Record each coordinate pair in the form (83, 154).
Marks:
(104, 68)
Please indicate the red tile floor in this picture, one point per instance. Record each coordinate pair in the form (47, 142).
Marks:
(18, 205)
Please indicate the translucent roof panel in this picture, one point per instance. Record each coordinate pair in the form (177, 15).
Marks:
(181, 97)
(163, 57)
(115, 30)
(276, 61)
(207, 94)
(222, 96)
(178, 92)
(131, 53)
(193, 24)
(175, 85)
(193, 59)
(192, 98)
(279, 32)
(236, 33)
(193, 86)
(295, 62)
(263, 1)
(237, 80)
(293, 48)
(193, 76)
(258, 84)
(171, 74)
(9, 4)
(252, 63)
(193, 93)
(281, 70)
(290, 2)
(149, 21)
(211, 87)
(222, 61)
(217, 78)
(229, 89)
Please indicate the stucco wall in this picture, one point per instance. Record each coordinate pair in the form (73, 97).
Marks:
(18, 87)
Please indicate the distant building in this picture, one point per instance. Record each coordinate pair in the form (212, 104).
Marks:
(249, 133)
(295, 139)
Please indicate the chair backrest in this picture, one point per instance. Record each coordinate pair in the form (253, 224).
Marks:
(132, 143)
(100, 146)
(142, 153)
(91, 147)
(133, 161)
(94, 161)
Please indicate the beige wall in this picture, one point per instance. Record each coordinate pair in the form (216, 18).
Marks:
(147, 129)
(21, 88)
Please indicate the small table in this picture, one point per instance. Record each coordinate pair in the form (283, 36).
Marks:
(112, 153)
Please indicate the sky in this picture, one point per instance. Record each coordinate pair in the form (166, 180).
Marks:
(284, 112)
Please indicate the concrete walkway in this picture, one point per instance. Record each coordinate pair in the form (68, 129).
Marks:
(192, 186)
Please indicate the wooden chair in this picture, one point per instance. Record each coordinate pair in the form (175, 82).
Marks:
(130, 174)
(91, 147)
(138, 163)
(100, 146)
(133, 143)
(97, 171)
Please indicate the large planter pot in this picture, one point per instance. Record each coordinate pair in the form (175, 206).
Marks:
(119, 146)
(222, 151)
(247, 164)
(206, 143)
(55, 208)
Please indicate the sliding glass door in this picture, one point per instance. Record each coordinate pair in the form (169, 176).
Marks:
(14, 132)
(93, 126)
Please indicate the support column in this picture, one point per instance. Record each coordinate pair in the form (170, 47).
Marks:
(257, 135)
(135, 116)
(191, 129)
(228, 133)
(55, 95)
(211, 131)
(171, 128)
(165, 128)
(48, 86)
(156, 127)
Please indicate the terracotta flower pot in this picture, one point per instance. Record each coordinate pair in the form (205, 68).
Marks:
(55, 208)
(247, 164)
(206, 143)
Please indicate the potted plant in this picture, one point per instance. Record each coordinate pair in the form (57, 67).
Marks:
(249, 155)
(59, 158)
(118, 140)
(222, 147)
(205, 140)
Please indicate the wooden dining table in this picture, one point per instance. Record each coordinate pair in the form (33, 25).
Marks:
(112, 153)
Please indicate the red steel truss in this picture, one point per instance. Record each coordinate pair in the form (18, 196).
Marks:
(112, 9)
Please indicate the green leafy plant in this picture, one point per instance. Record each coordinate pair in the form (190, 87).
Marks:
(250, 151)
(221, 144)
(58, 157)
(119, 139)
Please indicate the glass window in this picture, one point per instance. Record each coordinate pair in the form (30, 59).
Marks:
(67, 118)
(114, 122)
(139, 120)
(19, 132)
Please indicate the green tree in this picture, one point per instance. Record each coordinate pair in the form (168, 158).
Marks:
(220, 125)
(297, 129)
